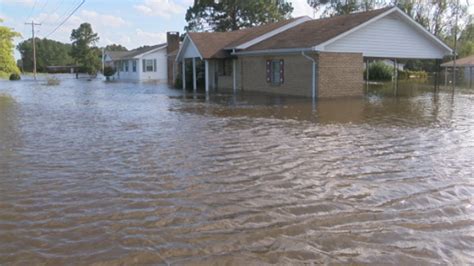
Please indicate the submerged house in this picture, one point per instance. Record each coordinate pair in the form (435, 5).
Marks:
(152, 63)
(306, 57)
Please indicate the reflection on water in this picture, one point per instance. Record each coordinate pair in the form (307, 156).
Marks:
(128, 174)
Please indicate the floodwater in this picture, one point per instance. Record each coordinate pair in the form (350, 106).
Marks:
(121, 173)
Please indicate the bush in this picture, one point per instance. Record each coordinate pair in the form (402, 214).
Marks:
(15, 76)
(109, 71)
(408, 74)
(379, 71)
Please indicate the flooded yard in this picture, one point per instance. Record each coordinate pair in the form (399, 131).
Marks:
(123, 173)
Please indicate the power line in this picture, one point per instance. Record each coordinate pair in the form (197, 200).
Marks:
(53, 11)
(64, 21)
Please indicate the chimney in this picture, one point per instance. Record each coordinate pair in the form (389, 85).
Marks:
(172, 40)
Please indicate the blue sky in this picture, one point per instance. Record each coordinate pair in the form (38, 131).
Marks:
(131, 23)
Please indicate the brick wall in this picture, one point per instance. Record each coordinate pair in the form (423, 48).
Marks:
(340, 75)
(297, 81)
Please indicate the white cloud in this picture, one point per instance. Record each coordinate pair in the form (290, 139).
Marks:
(161, 8)
(301, 8)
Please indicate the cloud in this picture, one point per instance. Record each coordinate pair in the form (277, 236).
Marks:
(103, 19)
(301, 8)
(161, 8)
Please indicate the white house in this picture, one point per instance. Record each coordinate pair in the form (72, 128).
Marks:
(153, 63)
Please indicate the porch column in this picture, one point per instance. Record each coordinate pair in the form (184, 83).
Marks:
(183, 78)
(206, 74)
(367, 64)
(470, 77)
(234, 75)
(194, 75)
(446, 76)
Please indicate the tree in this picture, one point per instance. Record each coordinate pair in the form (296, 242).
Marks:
(48, 53)
(228, 15)
(83, 39)
(115, 47)
(7, 60)
(343, 7)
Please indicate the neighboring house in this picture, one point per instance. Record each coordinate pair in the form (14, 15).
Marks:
(154, 63)
(465, 65)
(301, 56)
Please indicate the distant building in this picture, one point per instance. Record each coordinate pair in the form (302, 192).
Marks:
(154, 63)
(305, 57)
(464, 65)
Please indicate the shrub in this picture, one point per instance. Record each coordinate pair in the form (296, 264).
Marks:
(379, 71)
(109, 71)
(15, 76)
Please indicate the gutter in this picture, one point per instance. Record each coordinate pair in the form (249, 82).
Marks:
(313, 85)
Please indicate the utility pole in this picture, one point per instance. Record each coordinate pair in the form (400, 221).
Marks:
(455, 44)
(32, 23)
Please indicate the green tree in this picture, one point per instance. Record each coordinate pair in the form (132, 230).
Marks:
(227, 15)
(343, 7)
(83, 39)
(7, 60)
(115, 47)
(48, 53)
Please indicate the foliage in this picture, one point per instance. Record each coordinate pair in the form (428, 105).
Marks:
(227, 15)
(88, 57)
(109, 71)
(408, 74)
(48, 53)
(15, 76)
(7, 60)
(379, 71)
(338, 7)
(115, 47)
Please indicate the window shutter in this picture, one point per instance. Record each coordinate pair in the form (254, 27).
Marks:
(143, 65)
(269, 71)
(282, 71)
(154, 65)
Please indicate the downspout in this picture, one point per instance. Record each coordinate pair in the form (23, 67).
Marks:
(313, 85)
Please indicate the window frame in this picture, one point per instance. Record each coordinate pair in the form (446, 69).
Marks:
(273, 78)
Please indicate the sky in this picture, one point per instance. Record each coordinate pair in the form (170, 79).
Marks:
(131, 23)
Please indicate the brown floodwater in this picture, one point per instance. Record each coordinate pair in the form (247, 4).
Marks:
(120, 173)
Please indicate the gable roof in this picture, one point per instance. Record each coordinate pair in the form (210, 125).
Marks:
(295, 35)
(215, 44)
(465, 61)
(314, 32)
(119, 55)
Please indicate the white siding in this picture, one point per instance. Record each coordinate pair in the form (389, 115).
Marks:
(190, 50)
(388, 37)
(161, 73)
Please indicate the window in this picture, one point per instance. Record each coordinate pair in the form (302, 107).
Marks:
(149, 65)
(126, 65)
(134, 65)
(120, 63)
(275, 71)
(225, 67)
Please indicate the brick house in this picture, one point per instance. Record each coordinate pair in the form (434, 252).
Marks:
(305, 57)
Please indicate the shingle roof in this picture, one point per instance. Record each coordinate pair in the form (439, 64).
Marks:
(466, 61)
(118, 55)
(314, 32)
(304, 35)
(213, 44)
